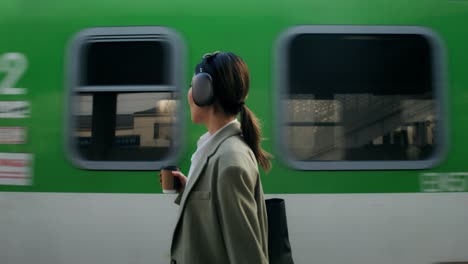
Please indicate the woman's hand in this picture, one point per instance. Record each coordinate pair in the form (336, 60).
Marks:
(180, 176)
(182, 179)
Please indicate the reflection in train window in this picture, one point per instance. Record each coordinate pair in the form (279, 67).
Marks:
(125, 98)
(141, 127)
(353, 99)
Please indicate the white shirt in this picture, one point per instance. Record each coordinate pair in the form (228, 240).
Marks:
(202, 144)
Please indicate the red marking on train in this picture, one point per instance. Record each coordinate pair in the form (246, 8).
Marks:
(11, 172)
(13, 162)
(13, 177)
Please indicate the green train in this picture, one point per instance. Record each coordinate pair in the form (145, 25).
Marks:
(362, 104)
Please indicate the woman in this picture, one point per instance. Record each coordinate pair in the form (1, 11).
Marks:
(222, 216)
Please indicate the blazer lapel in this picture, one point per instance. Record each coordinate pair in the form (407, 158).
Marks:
(229, 131)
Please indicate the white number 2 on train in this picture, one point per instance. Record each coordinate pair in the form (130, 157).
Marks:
(12, 67)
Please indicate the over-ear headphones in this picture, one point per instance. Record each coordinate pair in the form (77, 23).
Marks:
(202, 83)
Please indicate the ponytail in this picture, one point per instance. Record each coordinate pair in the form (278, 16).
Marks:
(251, 132)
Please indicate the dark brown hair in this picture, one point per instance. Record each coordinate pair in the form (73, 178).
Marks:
(231, 82)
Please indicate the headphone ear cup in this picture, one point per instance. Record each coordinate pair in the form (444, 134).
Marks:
(202, 89)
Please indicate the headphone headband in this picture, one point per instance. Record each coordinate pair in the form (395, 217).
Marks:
(205, 60)
(210, 55)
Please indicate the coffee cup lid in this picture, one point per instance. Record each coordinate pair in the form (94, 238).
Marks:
(171, 168)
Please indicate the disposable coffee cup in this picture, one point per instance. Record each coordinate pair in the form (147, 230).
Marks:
(170, 183)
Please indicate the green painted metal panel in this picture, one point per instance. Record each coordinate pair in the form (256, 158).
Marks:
(41, 30)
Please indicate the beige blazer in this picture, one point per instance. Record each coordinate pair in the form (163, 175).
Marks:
(222, 215)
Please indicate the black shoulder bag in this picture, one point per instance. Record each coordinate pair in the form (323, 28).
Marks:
(279, 249)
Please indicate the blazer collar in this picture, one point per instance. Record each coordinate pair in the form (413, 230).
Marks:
(228, 131)
(224, 133)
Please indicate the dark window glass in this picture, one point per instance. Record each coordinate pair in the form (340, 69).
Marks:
(125, 63)
(377, 64)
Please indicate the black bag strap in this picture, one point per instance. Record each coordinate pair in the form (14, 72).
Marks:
(279, 248)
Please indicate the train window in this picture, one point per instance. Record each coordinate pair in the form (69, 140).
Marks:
(360, 97)
(125, 91)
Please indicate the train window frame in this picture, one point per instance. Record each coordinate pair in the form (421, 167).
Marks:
(438, 78)
(174, 84)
